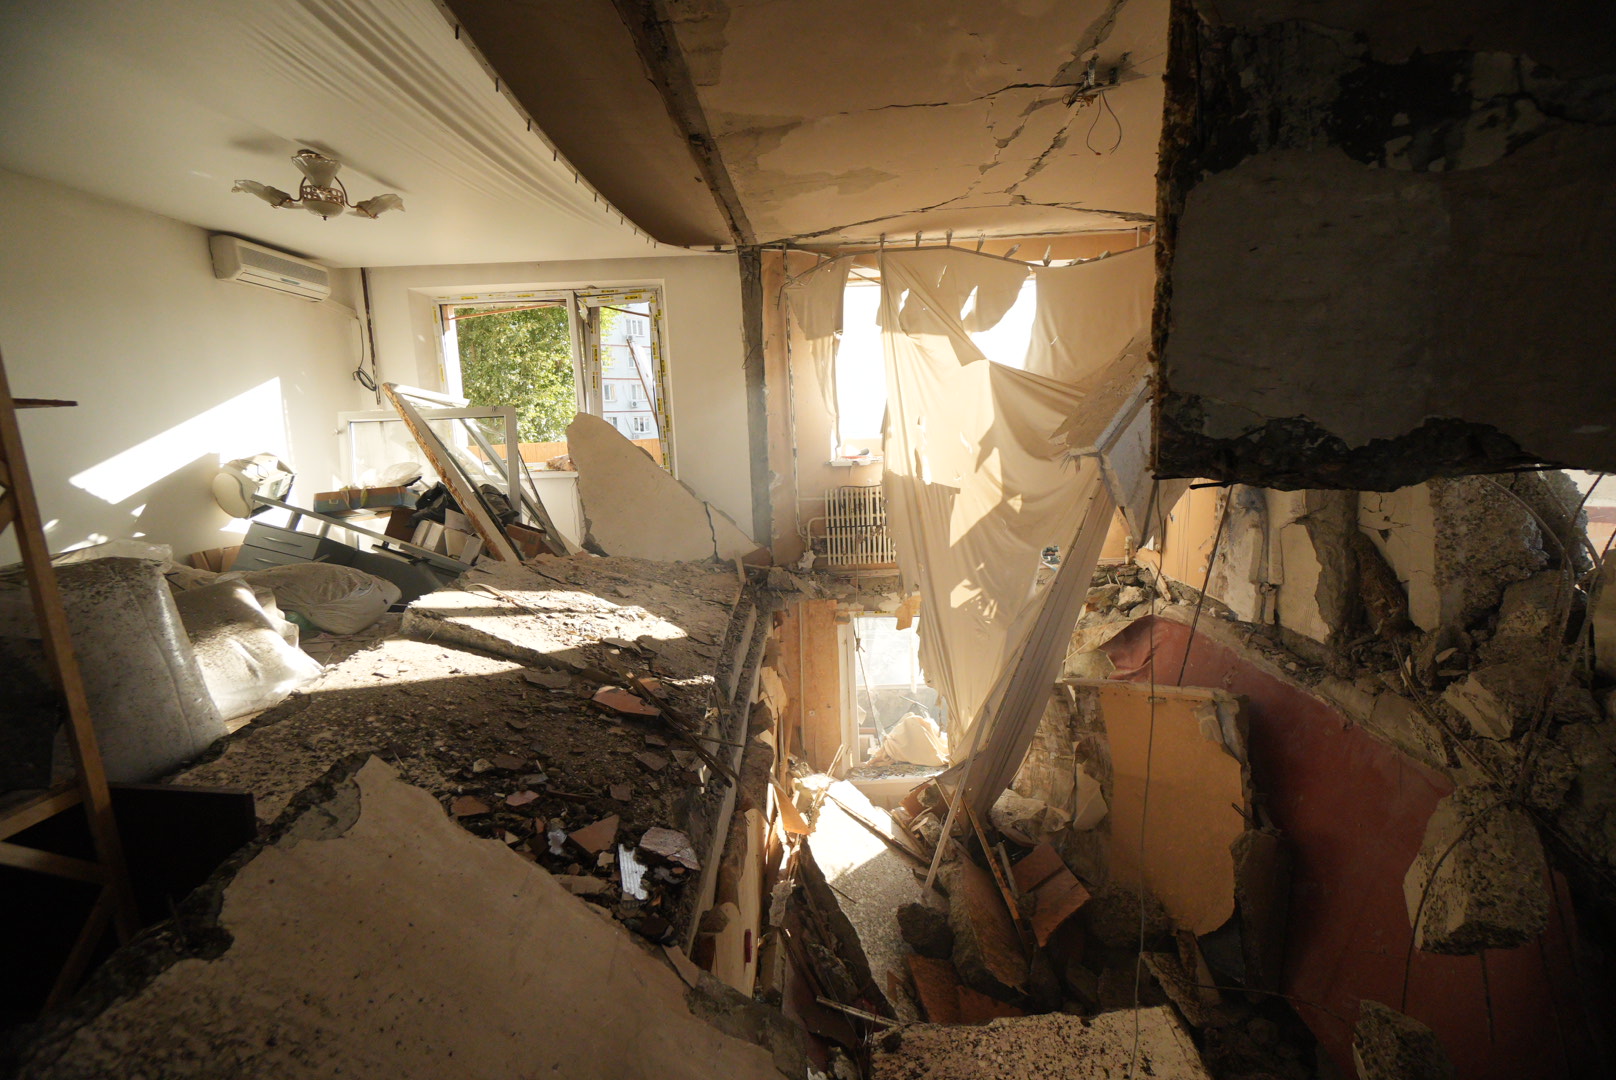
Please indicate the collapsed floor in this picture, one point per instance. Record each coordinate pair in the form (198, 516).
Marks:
(608, 726)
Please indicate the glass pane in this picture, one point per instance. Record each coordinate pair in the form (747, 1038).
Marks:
(383, 450)
(628, 386)
(521, 355)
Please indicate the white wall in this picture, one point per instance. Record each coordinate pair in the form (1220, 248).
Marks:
(173, 370)
(702, 335)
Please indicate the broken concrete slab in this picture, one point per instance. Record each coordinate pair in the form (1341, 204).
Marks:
(1531, 615)
(1050, 1047)
(400, 989)
(987, 948)
(926, 930)
(1386, 1045)
(857, 882)
(1262, 888)
(1182, 987)
(1498, 700)
(635, 507)
(1480, 871)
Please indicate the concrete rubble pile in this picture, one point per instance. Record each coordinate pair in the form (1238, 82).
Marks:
(1465, 623)
(1031, 928)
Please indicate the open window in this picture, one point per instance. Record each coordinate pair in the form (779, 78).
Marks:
(551, 355)
(861, 384)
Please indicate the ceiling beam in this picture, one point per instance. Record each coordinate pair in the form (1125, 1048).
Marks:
(658, 45)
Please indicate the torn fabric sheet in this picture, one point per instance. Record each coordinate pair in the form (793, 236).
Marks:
(1089, 313)
(987, 465)
(974, 474)
(1091, 328)
(815, 300)
(913, 740)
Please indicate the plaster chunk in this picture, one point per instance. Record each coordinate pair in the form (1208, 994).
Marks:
(633, 506)
(1498, 699)
(1386, 1045)
(1487, 892)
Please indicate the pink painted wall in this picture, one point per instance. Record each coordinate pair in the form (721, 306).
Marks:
(1354, 811)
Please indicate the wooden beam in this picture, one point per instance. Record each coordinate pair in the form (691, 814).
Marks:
(41, 807)
(48, 862)
(57, 641)
(83, 950)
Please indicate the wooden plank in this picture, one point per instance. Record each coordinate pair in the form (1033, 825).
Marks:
(1005, 889)
(57, 641)
(470, 500)
(820, 713)
(39, 808)
(48, 862)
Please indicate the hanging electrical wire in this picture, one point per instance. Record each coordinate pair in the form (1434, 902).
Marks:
(1102, 106)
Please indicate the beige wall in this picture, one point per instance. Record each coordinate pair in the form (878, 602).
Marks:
(702, 336)
(173, 369)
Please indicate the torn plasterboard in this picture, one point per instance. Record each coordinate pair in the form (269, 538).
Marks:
(633, 506)
(1197, 796)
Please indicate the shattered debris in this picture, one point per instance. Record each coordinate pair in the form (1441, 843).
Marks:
(1387, 1045)
(1478, 880)
(671, 845)
(1050, 1047)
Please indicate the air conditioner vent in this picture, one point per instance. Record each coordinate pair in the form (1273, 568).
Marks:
(240, 260)
(284, 268)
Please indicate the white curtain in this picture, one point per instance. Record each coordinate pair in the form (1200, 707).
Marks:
(815, 300)
(987, 465)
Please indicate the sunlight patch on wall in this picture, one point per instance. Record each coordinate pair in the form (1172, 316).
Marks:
(249, 423)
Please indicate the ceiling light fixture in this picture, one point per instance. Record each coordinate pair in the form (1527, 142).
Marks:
(321, 193)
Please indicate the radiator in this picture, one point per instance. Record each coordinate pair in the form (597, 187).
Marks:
(856, 527)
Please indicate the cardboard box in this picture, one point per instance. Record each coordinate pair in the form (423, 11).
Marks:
(399, 525)
(217, 559)
(527, 541)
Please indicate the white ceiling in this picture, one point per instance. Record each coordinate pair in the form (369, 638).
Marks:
(163, 104)
(846, 119)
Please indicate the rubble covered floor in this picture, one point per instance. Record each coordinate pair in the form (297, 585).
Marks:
(1050, 1047)
(375, 938)
(517, 750)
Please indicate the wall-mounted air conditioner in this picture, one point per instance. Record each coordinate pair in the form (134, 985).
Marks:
(240, 260)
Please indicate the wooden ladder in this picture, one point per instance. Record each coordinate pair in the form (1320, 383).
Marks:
(19, 510)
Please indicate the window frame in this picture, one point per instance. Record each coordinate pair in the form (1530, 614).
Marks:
(583, 326)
